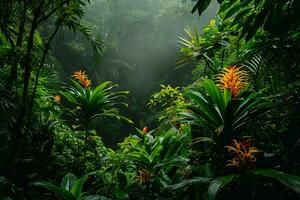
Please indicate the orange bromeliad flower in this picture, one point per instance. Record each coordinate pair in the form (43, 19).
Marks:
(82, 78)
(57, 98)
(233, 78)
(243, 154)
(144, 176)
(86, 83)
(79, 75)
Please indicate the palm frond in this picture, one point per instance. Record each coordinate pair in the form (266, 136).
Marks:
(191, 46)
(93, 38)
(253, 65)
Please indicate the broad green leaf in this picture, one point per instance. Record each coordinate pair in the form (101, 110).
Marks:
(78, 186)
(58, 191)
(240, 16)
(68, 181)
(95, 197)
(184, 183)
(214, 92)
(218, 184)
(201, 6)
(288, 180)
(225, 6)
(233, 10)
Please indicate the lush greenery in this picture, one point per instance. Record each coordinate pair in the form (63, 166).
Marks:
(231, 131)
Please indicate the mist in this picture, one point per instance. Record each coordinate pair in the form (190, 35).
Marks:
(141, 43)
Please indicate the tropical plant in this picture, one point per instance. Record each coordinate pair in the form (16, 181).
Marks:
(208, 50)
(85, 104)
(71, 188)
(243, 153)
(143, 165)
(158, 159)
(218, 111)
(252, 16)
(217, 184)
(24, 54)
(168, 101)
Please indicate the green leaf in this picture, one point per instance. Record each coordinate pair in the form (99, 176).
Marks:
(122, 179)
(120, 194)
(259, 21)
(184, 183)
(246, 2)
(95, 197)
(226, 96)
(225, 6)
(78, 186)
(217, 184)
(58, 191)
(214, 92)
(155, 153)
(201, 6)
(68, 181)
(240, 16)
(203, 139)
(232, 11)
(288, 180)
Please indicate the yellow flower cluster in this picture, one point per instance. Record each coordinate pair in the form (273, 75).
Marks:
(232, 78)
(243, 154)
(82, 78)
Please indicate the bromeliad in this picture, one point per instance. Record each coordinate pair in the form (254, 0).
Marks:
(233, 78)
(243, 153)
(82, 78)
(144, 176)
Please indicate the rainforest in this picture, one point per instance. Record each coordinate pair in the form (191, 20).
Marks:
(149, 99)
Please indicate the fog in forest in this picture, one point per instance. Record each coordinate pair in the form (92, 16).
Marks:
(141, 39)
(140, 47)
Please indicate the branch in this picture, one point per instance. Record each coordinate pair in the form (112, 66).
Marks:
(51, 12)
(47, 46)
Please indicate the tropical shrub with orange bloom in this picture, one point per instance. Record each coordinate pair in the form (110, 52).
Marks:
(233, 78)
(82, 78)
(243, 152)
(85, 103)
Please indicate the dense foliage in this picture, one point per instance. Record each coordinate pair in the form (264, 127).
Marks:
(230, 132)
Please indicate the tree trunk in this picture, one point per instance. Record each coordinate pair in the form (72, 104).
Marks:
(27, 71)
(47, 46)
(14, 69)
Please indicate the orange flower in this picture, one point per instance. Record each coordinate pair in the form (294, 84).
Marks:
(79, 75)
(233, 78)
(243, 155)
(144, 176)
(145, 129)
(82, 78)
(86, 83)
(57, 98)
